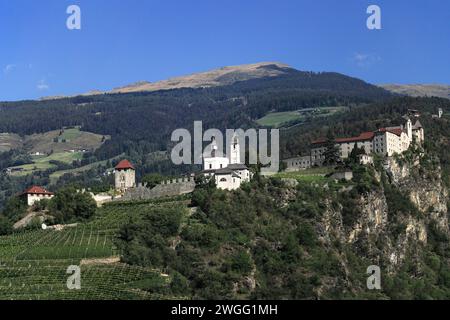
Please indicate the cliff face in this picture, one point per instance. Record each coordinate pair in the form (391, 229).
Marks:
(379, 231)
(425, 190)
(306, 239)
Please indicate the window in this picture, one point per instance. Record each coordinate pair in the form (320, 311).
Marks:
(210, 166)
(223, 180)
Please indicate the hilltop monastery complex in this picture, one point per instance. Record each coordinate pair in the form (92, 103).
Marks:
(229, 172)
(385, 141)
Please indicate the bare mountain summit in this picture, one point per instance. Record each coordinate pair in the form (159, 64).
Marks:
(213, 78)
(419, 90)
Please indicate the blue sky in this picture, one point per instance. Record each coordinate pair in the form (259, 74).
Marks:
(126, 41)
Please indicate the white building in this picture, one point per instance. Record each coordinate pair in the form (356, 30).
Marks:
(229, 173)
(385, 141)
(124, 176)
(300, 163)
(365, 159)
(35, 194)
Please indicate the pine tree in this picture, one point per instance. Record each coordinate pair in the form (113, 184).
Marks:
(331, 154)
(353, 158)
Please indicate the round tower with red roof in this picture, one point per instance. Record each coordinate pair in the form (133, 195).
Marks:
(125, 176)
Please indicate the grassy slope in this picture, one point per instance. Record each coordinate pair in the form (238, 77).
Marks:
(308, 175)
(58, 174)
(419, 90)
(10, 141)
(42, 163)
(75, 140)
(45, 143)
(278, 119)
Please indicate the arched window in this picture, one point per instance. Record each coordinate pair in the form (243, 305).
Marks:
(223, 180)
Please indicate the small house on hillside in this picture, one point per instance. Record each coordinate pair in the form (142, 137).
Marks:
(36, 194)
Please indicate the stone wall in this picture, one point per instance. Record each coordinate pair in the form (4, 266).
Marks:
(168, 188)
(344, 175)
(300, 163)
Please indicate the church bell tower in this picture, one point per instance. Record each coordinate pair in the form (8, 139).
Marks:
(235, 150)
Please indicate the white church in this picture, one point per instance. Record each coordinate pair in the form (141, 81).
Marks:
(228, 171)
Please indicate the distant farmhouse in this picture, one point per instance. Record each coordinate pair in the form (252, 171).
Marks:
(228, 171)
(384, 141)
(35, 194)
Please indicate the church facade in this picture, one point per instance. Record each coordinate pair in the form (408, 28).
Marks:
(227, 171)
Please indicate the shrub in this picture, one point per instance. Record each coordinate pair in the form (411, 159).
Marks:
(5, 225)
(306, 235)
(70, 205)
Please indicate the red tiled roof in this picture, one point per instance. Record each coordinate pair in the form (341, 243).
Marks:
(362, 137)
(396, 131)
(37, 190)
(319, 141)
(124, 164)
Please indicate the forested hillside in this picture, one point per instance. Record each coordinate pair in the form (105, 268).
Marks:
(314, 238)
(309, 237)
(143, 122)
(284, 239)
(140, 124)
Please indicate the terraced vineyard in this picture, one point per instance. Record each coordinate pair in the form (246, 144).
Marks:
(33, 264)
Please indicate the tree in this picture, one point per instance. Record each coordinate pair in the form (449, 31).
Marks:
(332, 150)
(353, 158)
(15, 208)
(70, 204)
(5, 225)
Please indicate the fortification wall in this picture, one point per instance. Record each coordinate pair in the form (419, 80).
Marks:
(168, 188)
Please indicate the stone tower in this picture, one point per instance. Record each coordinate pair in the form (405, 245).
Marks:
(124, 176)
(235, 150)
(440, 113)
(409, 129)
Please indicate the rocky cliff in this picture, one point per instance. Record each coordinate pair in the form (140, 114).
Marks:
(395, 224)
(278, 238)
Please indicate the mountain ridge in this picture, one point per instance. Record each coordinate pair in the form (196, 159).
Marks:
(212, 78)
(419, 90)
